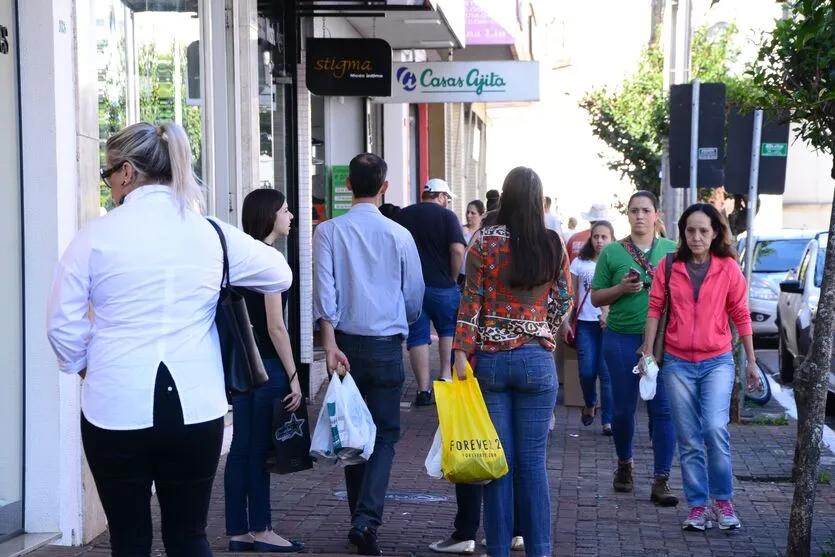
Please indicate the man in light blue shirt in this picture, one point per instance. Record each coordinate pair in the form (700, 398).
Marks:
(368, 288)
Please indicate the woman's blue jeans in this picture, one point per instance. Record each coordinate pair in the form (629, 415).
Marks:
(520, 390)
(246, 480)
(592, 365)
(700, 398)
(621, 353)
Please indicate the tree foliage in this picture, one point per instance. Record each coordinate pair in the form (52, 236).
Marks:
(633, 119)
(795, 72)
(156, 99)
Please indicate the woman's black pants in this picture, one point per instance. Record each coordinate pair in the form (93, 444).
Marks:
(180, 460)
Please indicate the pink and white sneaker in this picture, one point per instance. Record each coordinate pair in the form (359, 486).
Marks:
(726, 516)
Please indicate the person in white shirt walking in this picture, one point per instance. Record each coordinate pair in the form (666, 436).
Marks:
(153, 396)
(587, 328)
(552, 221)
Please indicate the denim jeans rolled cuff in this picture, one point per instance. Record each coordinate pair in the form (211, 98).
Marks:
(621, 354)
(592, 366)
(520, 390)
(700, 394)
(246, 479)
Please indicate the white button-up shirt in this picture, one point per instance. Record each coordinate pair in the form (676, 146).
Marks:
(150, 277)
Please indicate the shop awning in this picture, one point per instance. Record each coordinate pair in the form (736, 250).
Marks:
(404, 24)
(161, 5)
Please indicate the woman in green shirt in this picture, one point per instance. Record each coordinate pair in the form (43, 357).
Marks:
(621, 281)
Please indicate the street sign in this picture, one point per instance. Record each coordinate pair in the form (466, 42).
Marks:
(708, 153)
(711, 154)
(775, 150)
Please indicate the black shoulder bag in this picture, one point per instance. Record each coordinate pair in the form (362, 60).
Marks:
(243, 368)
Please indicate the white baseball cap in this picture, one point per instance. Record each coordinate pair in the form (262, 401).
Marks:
(436, 185)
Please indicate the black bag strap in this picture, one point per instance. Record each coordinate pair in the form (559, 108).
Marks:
(639, 257)
(224, 280)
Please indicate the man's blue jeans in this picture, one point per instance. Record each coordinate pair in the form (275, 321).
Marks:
(377, 368)
(520, 390)
(700, 398)
(621, 353)
(592, 365)
(246, 479)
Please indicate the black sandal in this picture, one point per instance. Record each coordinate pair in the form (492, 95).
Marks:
(586, 418)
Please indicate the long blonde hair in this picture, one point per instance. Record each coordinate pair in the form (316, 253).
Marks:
(161, 155)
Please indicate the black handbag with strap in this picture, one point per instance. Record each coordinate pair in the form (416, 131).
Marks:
(243, 368)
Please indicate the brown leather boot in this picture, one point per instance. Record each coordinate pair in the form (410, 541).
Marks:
(623, 477)
(662, 495)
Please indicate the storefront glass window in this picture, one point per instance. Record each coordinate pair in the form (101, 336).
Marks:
(11, 320)
(149, 69)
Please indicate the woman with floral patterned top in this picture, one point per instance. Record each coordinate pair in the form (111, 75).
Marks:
(516, 294)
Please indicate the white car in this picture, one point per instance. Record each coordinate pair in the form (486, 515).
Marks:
(798, 305)
(775, 256)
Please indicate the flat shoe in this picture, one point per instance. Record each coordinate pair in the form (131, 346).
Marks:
(240, 547)
(264, 547)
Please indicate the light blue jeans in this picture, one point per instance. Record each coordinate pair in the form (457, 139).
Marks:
(520, 390)
(700, 400)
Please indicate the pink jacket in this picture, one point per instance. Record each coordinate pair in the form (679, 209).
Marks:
(699, 330)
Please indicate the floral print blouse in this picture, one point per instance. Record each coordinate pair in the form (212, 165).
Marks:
(492, 316)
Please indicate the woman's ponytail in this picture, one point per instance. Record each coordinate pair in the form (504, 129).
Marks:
(186, 189)
(161, 155)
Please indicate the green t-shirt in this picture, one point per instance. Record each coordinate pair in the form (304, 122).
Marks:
(629, 314)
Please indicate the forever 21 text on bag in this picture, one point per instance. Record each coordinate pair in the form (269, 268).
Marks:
(472, 451)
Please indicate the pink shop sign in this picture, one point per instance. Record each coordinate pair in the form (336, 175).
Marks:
(483, 29)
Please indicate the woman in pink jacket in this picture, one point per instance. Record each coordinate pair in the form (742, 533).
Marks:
(707, 290)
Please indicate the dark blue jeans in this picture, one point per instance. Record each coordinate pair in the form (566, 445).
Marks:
(593, 365)
(247, 481)
(520, 390)
(377, 368)
(621, 352)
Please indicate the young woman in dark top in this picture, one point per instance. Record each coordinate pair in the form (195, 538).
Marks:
(247, 482)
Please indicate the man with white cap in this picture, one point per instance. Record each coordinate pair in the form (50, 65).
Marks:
(598, 212)
(441, 245)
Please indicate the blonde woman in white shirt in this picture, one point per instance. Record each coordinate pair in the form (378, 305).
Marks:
(153, 396)
(588, 330)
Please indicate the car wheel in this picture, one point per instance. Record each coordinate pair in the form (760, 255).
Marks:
(786, 360)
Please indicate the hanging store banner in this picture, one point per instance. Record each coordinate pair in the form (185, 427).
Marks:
(480, 82)
(348, 67)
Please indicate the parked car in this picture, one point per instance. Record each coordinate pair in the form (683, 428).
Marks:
(775, 256)
(797, 307)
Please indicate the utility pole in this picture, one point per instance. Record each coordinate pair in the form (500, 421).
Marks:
(677, 34)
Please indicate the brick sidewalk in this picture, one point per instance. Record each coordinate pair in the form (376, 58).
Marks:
(589, 519)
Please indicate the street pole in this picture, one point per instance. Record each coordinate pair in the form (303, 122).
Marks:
(751, 205)
(694, 143)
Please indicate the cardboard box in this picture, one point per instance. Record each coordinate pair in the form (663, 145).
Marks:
(572, 393)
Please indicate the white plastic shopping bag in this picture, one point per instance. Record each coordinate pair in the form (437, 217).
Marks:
(649, 380)
(433, 459)
(321, 444)
(353, 432)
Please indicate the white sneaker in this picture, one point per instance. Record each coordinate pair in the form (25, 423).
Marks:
(517, 544)
(453, 546)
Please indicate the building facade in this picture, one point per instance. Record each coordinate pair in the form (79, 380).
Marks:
(72, 73)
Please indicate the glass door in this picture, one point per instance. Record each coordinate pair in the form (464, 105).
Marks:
(11, 318)
(148, 58)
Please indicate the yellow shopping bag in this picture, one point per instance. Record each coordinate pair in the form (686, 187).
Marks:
(472, 451)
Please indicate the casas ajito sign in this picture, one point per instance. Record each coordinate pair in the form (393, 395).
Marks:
(349, 67)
